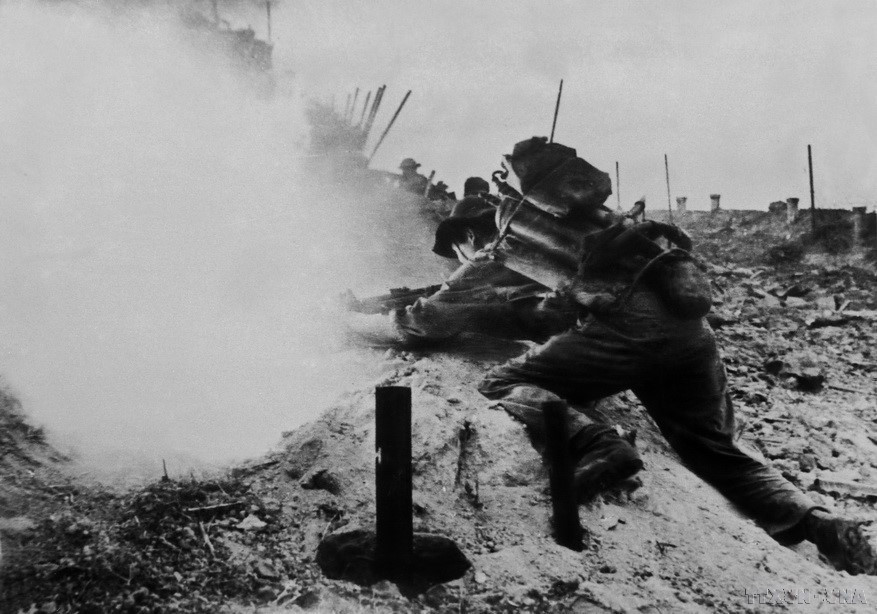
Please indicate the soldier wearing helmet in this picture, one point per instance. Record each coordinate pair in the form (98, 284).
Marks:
(411, 180)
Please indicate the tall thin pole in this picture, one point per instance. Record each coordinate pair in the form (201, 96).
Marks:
(387, 129)
(617, 185)
(353, 107)
(379, 95)
(667, 173)
(556, 110)
(394, 530)
(365, 107)
(347, 106)
(268, 9)
(812, 196)
(568, 531)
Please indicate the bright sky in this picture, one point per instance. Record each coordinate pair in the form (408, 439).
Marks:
(733, 91)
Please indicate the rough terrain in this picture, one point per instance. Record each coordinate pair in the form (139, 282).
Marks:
(798, 335)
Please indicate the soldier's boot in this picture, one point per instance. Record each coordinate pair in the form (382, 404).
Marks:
(849, 545)
(605, 460)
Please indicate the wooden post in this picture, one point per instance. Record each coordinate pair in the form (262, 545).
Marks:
(268, 9)
(568, 530)
(387, 129)
(859, 224)
(667, 173)
(812, 196)
(352, 107)
(617, 185)
(556, 110)
(368, 98)
(379, 96)
(791, 210)
(394, 528)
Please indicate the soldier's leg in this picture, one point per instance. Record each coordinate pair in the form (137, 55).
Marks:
(577, 366)
(687, 397)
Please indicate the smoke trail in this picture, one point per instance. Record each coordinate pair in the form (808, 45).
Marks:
(165, 256)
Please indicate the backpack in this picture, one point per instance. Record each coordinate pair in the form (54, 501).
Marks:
(571, 192)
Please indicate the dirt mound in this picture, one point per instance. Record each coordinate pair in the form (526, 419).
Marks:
(247, 541)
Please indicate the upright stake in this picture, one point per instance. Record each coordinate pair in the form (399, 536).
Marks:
(353, 107)
(347, 106)
(667, 173)
(379, 95)
(268, 9)
(812, 197)
(393, 526)
(387, 129)
(556, 110)
(364, 108)
(617, 185)
(568, 530)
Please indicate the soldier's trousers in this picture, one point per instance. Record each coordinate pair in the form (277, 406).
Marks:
(681, 382)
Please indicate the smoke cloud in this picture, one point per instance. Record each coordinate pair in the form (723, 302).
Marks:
(733, 92)
(166, 256)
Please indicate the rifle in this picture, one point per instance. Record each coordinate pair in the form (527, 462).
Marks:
(398, 298)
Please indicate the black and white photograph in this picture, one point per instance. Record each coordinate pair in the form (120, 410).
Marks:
(327, 306)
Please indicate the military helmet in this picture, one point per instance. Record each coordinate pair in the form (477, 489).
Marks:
(475, 185)
(472, 212)
(409, 163)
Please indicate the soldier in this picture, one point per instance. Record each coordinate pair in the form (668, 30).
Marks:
(633, 341)
(411, 180)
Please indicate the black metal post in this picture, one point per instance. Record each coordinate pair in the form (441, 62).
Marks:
(568, 530)
(394, 524)
(556, 110)
(812, 196)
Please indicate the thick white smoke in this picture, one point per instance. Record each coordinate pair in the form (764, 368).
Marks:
(164, 254)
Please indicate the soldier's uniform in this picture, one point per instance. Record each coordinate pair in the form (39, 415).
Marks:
(411, 180)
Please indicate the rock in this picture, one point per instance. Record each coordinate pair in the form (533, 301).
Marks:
(16, 524)
(308, 599)
(795, 302)
(816, 320)
(251, 523)
(807, 462)
(802, 366)
(770, 302)
(826, 303)
(480, 577)
(265, 569)
(796, 291)
(322, 479)
(810, 379)
(609, 522)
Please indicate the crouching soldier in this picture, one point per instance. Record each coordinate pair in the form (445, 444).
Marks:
(639, 326)
(481, 296)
